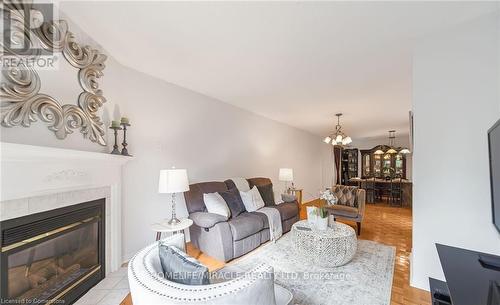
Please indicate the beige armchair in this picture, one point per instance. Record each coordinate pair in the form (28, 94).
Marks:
(350, 205)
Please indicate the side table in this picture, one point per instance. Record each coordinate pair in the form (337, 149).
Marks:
(298, 194)
(162, 227)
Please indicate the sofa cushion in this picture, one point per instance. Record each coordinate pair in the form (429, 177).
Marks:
(179, 267)
(343, 210)
(259, 181)
(263, 217)
(245, 225)
(267, 194)
(287, 210)
(234, 202)
(206, 220)
(346, 195)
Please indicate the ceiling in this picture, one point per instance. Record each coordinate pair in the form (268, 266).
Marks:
(295, 62)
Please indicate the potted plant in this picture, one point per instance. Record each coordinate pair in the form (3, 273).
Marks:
(321, 222)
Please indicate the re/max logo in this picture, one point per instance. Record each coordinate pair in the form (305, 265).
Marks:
(20, 22)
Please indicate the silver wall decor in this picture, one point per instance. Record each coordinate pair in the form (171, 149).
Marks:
(22, 103)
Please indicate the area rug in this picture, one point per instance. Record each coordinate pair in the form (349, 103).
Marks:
(366, 280)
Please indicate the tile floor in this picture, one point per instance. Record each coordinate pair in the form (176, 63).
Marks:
(110, 291)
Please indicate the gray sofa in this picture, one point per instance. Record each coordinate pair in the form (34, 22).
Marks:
(226, 239)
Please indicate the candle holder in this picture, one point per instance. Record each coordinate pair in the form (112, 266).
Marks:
(115, 147)
(124, 143)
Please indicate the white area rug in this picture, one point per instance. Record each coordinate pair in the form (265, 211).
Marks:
(366, 280)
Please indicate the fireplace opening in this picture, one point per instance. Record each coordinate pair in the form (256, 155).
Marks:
(53, 256)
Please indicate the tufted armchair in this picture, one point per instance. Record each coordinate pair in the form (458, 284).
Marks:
(350, 205)
(149, 287)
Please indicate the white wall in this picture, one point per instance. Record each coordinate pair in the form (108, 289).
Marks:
(173, 126)
(455, 101)
(211, 139)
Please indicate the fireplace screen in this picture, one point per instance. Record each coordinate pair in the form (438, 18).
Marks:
(54, 258)
(45, 269)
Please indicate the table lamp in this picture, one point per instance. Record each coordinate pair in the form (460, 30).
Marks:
(173, 181)
(286, 175)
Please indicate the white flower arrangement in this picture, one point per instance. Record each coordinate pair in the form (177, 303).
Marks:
(328, 196)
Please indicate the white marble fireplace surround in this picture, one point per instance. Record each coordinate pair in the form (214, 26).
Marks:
(36, 179)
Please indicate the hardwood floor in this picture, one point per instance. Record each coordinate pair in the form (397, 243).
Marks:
(382, 223)
(392, 226)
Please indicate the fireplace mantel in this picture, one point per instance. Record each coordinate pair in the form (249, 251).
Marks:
(37, 179)
(43, 170)
(22, 152)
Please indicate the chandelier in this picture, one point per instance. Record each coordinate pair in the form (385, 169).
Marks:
(392, 148)
(338, 137)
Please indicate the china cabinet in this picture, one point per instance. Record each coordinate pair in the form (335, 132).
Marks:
(349, 164)
(382, 165)
(366, 161)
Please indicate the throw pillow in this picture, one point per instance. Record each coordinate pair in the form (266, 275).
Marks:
(257, 198)
(216, 204)
(346, 195)
(179, 267)
(247, 198)
(267, 194)
(234, 202)
(252, 200)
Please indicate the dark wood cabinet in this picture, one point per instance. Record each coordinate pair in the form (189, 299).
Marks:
(349, 164)
(382, 165)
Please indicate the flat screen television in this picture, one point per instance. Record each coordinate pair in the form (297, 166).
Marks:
(494, 148)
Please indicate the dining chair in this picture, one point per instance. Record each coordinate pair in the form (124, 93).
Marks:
(396, 196)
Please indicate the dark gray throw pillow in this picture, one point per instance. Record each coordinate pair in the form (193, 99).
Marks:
(267, 194)
(234, 201)
(181, 268)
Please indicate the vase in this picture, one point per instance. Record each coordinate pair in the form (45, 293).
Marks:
(321, 223)
(331, 221)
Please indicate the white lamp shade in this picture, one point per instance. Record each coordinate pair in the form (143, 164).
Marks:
(405, 151)
(327, 140)
(348, 140)
(286, 174)
(173, 181)
(339, 139)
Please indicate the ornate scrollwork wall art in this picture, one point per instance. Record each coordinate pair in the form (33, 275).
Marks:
(21, 101)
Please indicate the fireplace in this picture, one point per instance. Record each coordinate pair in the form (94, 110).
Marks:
(53, 256)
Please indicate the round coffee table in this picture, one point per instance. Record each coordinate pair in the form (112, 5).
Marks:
(327, 248)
